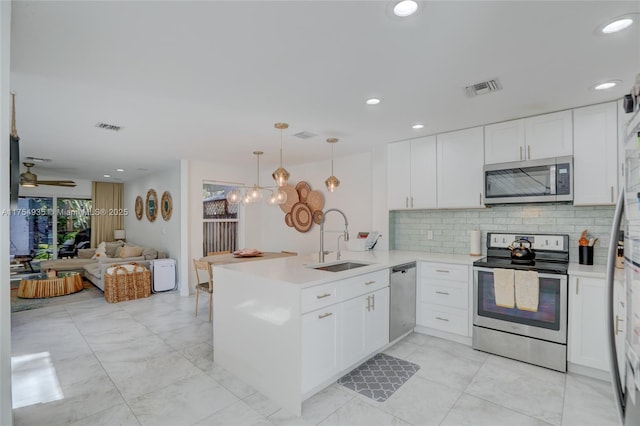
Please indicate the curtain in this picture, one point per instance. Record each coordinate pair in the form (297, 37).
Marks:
(108, 203)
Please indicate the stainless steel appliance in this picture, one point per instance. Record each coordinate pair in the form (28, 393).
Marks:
(533, 181)
(537, 337)
(625, 358)
(402, 300)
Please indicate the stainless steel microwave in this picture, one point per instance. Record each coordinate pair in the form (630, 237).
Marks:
(534, 181)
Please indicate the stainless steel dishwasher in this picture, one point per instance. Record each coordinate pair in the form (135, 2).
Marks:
(402, 300)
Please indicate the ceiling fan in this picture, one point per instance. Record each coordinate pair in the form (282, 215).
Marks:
(30, 180)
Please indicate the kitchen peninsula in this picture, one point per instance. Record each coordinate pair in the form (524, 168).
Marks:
(290, 330)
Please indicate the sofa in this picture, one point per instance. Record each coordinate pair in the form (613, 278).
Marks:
(94, 266)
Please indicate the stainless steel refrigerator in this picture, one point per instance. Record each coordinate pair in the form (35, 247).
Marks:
(625, 354)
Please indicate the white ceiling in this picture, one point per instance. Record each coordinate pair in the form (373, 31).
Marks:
(207, 80)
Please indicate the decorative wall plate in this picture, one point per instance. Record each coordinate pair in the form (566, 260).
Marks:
(301, 217)
(139, 207)
(152, 205)
(166, 205)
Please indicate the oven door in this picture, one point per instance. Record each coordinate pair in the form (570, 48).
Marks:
(548, 323)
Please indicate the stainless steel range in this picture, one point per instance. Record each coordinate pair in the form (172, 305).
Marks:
(535, 333)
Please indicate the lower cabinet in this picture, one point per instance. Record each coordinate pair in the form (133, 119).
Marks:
(338, 336)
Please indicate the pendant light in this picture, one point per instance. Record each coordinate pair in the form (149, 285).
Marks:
(281, 175)
(253, 194)
(332, 182)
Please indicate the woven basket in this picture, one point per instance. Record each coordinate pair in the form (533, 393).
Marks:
(121, 284)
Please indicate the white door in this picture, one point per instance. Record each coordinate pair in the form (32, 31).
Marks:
(321, 349)
(595, 154)
(549, 135)
(376, 326)
(587, 345)
(460, 163)
(353, 339)
(423, 173)
(504, 142)
(398, 175)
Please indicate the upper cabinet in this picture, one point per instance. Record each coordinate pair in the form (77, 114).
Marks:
(411, 174)
(460, 162)
(595, 154)
(542, 136)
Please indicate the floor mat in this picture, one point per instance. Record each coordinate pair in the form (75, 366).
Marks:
(18, 304)
(379, 377)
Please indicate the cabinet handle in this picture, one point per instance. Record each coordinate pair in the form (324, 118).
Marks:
(442, 319)
(612, 194)
(368, 303)
(373, 302)
(370, 282)
(529, 151)
(322, 296)
(443, 270)
(521, 153)
(618, 321)
(406, 202)
(577, 285)
(442, 292)
(411, 202)
(480, 199)
(328, 314)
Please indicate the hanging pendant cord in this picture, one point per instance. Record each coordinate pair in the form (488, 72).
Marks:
(332, 159)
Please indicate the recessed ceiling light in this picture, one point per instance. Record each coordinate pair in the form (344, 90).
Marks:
(119, 170)
(373, 101)
(405, 8)
(617, 25)
(417, 126)
(606, 85)
(107, 176)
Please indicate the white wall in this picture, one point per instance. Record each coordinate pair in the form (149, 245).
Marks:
(160, 234)
(6, 414)
(353, 196)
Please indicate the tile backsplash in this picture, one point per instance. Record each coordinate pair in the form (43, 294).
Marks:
(409, 229)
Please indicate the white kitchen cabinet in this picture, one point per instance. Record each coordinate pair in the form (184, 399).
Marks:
(542, 136)
(504, 142)
(321, 345)
(587, 341)
(411, 174)
(443, 298)
(595, 154)
(459, 173)
(366, 325)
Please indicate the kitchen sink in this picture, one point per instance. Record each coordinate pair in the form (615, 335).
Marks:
(342, 266)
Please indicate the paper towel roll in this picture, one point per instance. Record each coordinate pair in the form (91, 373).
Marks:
(475, 243)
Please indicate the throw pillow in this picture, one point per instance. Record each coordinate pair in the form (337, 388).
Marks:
(86, 253)
(111, 248)
(130, 251)
(150, 253)
(101, 251)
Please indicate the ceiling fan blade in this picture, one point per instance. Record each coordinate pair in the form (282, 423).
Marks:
(68, 183)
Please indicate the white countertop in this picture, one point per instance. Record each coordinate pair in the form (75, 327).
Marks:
(593, 271)
(296, 270)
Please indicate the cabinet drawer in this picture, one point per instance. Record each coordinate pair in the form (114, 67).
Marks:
(366, 283)
(444, 271)
(320, 296)
(447, 295)
(443, 318)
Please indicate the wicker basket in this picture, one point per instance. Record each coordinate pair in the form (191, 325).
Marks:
(126, 282)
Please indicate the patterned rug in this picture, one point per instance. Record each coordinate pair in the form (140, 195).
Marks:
(17, 304)
(379, 377)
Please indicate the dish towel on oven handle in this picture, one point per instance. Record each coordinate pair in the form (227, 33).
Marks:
(503, 287)
(527, 290)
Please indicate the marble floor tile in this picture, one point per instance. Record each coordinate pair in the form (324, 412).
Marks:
(168, 320)
(416, 338)
(201, 355)
(588, 401)
(315, 409)
(237, 414)
(261, 404)
(402, 349)
(419, 401)
(440, 366)
(199, 332)
(358, 413)
(183, 402)
(238, 387)
(130, 348)
(105, 322)
(139, 377)
(120, 415)
(535, 391)
(472, 411)
(455, 349)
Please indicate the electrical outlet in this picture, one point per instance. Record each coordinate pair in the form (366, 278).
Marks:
(429, 235)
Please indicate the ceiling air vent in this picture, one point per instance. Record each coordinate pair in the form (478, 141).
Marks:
(483, 88)
(108, 126)
(305, 135)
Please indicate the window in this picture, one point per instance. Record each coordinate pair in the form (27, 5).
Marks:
(220, 219)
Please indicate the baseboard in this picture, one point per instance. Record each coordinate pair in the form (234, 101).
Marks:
(588, 371)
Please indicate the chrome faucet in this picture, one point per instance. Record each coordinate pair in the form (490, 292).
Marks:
(345, 234)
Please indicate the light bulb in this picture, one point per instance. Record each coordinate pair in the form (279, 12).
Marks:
(255, 194)
(280, 176)
(281, 196)
(332, 183)
(234, 196)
